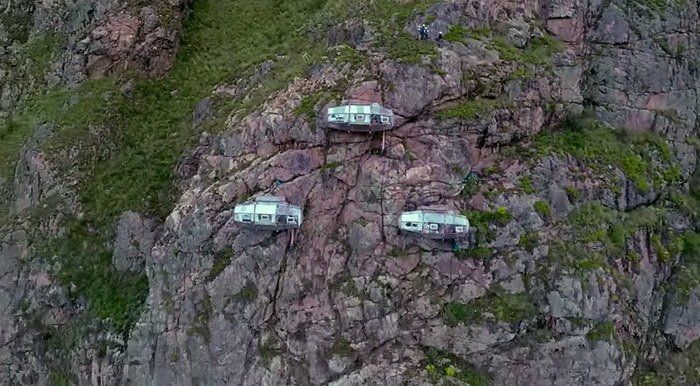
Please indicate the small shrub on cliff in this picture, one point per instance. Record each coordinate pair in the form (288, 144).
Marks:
(504, 307)
(538, 51)
(456, 33)
(222, 259)
(482, 221)
(307, 107)
(342, 347)
(542, 208)
(467, 110)
(602, 331)
(443, 367)
(529, 241)
(526, 185)
(645, 159)
(688, 273)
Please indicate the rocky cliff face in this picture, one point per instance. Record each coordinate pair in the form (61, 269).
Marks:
(579, 119)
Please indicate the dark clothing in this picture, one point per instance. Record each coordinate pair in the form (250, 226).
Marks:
(423, 32)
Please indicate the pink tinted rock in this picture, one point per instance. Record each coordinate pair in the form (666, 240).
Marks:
(640, 120)
(367, 92)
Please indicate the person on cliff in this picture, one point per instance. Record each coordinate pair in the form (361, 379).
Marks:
(423, 32)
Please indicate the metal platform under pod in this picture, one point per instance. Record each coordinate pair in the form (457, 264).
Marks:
(268, 212)
(434, 224)
(358, 116)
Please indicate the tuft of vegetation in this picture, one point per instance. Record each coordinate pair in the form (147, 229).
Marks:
(677, 368)
(347, 54)
(644, 158)
(307, 107)
(247, 294)
(468, 110)
(504, 307)
(86, 268)
(390, 17)
(456, 33)
(655, 6)
(443, 366)
(222, 259)
(687, 276)
(200, 323)
(590, 264)
(538, 51)
(409, 50)
(543, 209)
(61, 378)
(331, 166)
(473, 253)
(268, 349)
(572, 193)
(526, 185)
(602, 331)
(484, 221)
(471, 185)
(398, 252)
(598, 235)
(342, 347)
(529, 241)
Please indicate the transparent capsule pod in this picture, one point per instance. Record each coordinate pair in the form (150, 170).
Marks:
(268, 212)
(434, 223)
(358, 116)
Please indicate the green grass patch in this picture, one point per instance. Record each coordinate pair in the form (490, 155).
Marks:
(572, 193)
(405, 48)
(543, 209)
(222, 259)
(654, 5)
(61, 378)
(506, 50)
(471, 109)
(687, 276)
(644, 158)
(341, 347)
(347, 54)
(331, 166)
(602, 331)
(307, 107)
(677, 368)
(526, 185)
(389, 17)
(86, 267)
(590, 264)
(538, 51)
(470, 184)
(522, 72)
(473, 253)
(445, 368)
(505, 307)
(268, 349)
(398, 252)
(247, 294)
(529, 241)
(597, 234)
(484, 221)
(456, 33)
